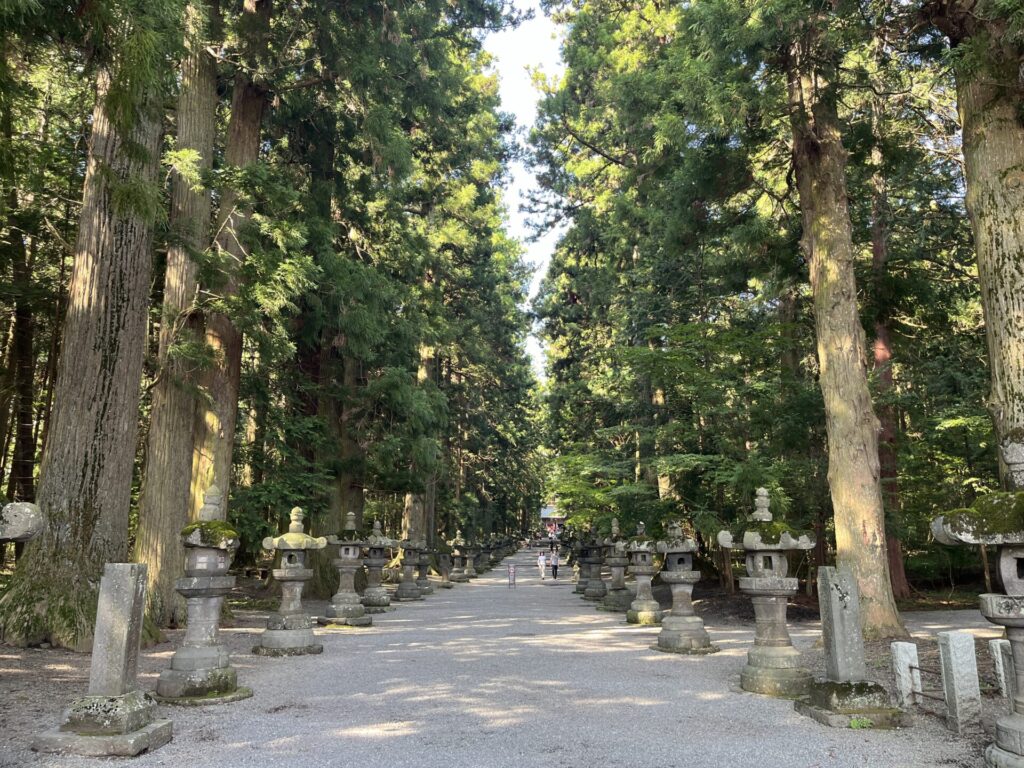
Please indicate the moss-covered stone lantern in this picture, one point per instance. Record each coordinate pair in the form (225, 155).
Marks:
(594, 561)
(201, 670)
(644, 609)
(346, 608)
(376, 598)
(289, 630)
(773, 664)
(682, 630)
(471, 551)
(998, 519)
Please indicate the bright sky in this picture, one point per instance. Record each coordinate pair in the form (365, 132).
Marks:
(532, 45)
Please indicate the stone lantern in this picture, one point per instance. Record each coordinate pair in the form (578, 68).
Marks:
(644, 609)
(201, 670)
(618, 597)
(346, 607)
(580, 551)
(376, 598)
(998, 519)
(595, 589)
(470, 551)
(682, 630)
(423, 568)
(289, 631)
(408, 589)
(444, 564)
(458, 545)
(19, 522)
(773, 664)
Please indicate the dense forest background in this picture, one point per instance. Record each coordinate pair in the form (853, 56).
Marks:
(260, 249)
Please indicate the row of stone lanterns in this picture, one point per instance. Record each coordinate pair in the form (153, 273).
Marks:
(773, 663)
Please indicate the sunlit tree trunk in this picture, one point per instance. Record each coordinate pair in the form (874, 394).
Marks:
(164, 503)
(86, 473)
(852, 428)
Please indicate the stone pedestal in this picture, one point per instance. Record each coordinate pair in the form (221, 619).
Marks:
(458, 574)
(376, 598)
(115, 718)
(423, 576)
(845, 696)
(682, 630)
(644, 609)
(346, 608)
(408, 589)
(200, 671)
(289, 631)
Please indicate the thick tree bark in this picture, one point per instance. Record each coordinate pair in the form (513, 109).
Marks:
(819, 160)
(217, 411)
(993, 144)
(85, 479)
(165, 502)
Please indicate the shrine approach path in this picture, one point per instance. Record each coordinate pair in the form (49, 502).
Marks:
(534, 677)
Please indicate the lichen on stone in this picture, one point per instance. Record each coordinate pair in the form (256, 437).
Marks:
(993, 514)
(210, 533)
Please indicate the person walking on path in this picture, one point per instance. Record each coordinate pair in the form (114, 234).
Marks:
(551, 542)
(554, 565)
(541, 560)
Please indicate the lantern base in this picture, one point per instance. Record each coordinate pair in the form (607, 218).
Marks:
(304, 650)
(996, 757)
(643, 617)
(772, 681)
(145, 739)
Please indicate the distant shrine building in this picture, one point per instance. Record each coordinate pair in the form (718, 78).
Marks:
(551, 519)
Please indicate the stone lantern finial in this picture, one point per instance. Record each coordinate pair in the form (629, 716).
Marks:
(350, 521)
(296, 516)
(641, 529)
(615, 527)
(762, 513)
(212, 502)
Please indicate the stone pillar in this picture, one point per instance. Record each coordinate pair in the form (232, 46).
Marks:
(845, 695)
(423, 579)
(200, 669)
(682, 630)
(115, 718)
(407, 589)
(773, 664)
(960, 685)
(289, 631)
(376, 598)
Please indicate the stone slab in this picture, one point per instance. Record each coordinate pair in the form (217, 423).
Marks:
(238, 694)
(890, 717)
(306, 650)
(839, 600)
(905, 672)
(115, 647)
(960, 681)
(152, 736)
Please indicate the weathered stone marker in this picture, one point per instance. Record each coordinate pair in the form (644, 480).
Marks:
(1002, 658)
(115, 718)
(960, 681)
(773, 664)
(845, 694)
(289, 631)
(682, 630)
(906, 671)
(201, 671)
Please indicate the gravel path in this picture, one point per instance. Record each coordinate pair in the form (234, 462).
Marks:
(484, 676)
